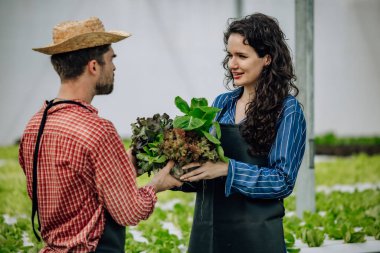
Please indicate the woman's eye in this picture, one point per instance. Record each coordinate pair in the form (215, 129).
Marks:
(242, 56)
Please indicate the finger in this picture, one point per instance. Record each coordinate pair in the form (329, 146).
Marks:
(191, 165)
(192, 173)
(129, 153)
(178, 183)
(168, 167)
(174, 178)
(197, 177)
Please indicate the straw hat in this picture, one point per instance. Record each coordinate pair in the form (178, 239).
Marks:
(74, 35)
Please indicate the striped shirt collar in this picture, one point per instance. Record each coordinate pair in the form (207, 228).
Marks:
(229, 115)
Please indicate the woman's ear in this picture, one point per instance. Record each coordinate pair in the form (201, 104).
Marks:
(267, 60)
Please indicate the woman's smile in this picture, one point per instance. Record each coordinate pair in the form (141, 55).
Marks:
(237, 75)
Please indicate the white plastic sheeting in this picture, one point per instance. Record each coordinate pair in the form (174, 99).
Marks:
(176, 49)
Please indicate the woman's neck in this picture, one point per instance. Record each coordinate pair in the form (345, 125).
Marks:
(248, 95)
(242, 104)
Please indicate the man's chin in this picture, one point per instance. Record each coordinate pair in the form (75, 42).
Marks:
(104, 90)
(104, 93)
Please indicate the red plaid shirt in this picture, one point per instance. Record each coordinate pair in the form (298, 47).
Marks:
(83, 169)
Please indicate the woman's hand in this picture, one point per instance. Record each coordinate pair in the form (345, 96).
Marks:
(208, 170)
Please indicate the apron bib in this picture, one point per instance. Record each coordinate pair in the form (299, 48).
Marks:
(236, 223)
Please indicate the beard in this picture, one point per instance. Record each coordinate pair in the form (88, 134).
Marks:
(104, 86)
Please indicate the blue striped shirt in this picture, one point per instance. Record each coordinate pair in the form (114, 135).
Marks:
(285, 156)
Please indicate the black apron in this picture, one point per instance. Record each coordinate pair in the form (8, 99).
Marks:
(113, 237)
(236, 223)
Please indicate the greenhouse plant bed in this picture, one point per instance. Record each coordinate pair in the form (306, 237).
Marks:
(338, 246)
(347, 150)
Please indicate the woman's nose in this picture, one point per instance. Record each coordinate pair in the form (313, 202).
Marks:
(232, 64)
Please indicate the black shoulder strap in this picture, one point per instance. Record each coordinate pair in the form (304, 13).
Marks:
(224, 109)
(50, 104)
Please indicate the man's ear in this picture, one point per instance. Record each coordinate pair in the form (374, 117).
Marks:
(93, 67)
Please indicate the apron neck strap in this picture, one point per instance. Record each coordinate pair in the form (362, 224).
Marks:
(49, 104)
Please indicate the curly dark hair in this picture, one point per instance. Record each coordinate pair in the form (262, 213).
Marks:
(274, 84)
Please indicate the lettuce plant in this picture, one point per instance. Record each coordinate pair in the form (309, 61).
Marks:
(147, 137)
(185, 139)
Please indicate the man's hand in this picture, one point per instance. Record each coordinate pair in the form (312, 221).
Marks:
(163, 180)
(132, 158)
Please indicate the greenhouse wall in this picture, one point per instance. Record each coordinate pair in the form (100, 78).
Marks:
(177, 49)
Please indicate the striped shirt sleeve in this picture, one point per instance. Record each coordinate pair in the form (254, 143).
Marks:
(285, 157)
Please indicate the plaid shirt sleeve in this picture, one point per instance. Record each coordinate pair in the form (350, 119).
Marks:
(115, 179)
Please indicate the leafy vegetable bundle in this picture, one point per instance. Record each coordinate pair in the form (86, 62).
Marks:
(184, 140)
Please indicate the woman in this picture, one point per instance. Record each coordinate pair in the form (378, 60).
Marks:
(239, 206)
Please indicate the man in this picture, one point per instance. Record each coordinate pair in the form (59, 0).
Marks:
(79, 176)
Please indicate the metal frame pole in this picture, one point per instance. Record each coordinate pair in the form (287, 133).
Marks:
(304, 67)
(239, 8)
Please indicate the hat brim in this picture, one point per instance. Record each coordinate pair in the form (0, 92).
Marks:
(82, 41)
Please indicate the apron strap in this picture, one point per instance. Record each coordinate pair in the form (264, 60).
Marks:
(222, 112)
(50, 104)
